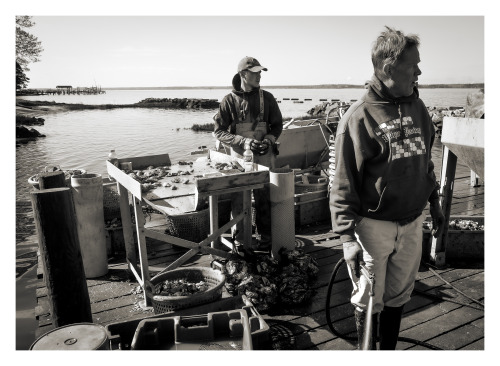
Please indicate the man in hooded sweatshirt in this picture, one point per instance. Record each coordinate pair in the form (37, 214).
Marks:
(384, 178)
(250, 115)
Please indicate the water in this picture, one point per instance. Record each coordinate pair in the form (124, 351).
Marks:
(82, 139)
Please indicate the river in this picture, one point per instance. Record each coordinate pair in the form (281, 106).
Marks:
(82, 139)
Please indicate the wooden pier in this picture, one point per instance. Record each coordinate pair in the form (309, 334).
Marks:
(437, 314)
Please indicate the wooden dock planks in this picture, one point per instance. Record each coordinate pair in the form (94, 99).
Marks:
(450, 321)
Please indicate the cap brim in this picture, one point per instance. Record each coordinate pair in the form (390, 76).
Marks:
(257, 68)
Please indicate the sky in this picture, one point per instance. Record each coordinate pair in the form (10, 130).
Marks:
(157, 51)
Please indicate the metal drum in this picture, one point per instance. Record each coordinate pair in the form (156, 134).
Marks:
(79, 336)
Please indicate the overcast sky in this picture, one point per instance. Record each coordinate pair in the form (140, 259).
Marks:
(155, 51)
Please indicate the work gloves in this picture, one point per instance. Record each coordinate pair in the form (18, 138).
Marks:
(260, 147)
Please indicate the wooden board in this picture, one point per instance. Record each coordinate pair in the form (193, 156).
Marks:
(142, 162)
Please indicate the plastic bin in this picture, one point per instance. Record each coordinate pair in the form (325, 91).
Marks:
(121, 333)
(225, 330)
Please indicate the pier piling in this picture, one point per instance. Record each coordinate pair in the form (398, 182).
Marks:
(51, 180)
(64, 274)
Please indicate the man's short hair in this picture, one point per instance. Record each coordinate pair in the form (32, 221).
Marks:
(389, 46)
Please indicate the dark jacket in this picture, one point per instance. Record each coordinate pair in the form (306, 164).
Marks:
(229, 114)
(383, 169)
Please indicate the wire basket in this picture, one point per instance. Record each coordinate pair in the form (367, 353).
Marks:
(162, 304)
(312, 186)
(192, 226)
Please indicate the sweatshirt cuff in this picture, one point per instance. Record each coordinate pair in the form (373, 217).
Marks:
(434, 196)
(270, 137)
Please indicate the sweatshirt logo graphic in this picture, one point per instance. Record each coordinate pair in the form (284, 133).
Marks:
(405, 139)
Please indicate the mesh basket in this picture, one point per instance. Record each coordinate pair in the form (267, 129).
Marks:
(162, 304)
(312, 186)
(111, 201)
(192, 226)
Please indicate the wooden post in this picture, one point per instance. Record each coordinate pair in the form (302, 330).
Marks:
(438, 248)
(64, 274)
(51, 180)
(214, 218)
(128, 233)
(143, 253)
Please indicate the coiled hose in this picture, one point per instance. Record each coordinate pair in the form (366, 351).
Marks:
(343, 336)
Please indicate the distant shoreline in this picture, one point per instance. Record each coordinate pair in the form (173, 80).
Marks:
(321, 86)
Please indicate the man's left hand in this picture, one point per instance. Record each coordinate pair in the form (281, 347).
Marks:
(266, 144)
(437, 218)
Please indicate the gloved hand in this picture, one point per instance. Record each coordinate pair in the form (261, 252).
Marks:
(437, 218)
(266, 144)
(353, 255)
(255, 146)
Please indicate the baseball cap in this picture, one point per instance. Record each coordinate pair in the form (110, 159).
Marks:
(250, 64)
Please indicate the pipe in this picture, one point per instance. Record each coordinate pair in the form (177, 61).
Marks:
(282, 189)
(367, 333)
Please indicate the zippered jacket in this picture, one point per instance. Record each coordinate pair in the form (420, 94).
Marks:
(238, 104)
(383, 160)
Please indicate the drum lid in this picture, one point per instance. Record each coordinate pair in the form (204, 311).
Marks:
(80, 336)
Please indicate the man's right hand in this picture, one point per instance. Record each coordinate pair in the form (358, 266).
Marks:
(255, 146)
(353, 255)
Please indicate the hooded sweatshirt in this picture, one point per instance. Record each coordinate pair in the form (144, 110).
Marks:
(238, 104)
(383, 160)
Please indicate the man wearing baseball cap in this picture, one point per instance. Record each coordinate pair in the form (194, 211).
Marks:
(250, 115)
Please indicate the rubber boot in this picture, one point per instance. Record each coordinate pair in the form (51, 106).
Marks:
(390, 321)
(360, 317)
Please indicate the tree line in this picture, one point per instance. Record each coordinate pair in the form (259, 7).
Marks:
(28, 49)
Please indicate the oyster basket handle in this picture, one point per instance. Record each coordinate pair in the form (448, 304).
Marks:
(148, 287)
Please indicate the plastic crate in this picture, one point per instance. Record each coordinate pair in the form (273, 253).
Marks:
(120, 334)
(312, 183)
(462, 245)
(225, 330)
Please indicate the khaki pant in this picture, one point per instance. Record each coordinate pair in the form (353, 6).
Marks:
(392, 252)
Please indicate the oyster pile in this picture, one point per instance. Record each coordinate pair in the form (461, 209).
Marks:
(151, 176)
(180, 287)
(229, 166)
(465, 225)
(267, 283)
(458, 224)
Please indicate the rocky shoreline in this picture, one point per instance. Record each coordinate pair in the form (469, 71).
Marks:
(27, 112)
